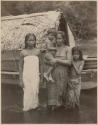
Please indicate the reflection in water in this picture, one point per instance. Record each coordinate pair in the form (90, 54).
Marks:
(12, 109)
(27, 117)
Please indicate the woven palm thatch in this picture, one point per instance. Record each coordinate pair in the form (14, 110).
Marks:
(15, 28)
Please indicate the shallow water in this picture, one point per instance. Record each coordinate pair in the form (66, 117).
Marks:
(12, 108)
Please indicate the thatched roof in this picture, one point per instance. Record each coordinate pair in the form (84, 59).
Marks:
(14, 28)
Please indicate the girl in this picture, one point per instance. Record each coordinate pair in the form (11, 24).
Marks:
(61, 71)
(29, 73)
(60, 64)
(74, 86)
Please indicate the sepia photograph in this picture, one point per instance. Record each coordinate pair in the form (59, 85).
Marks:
(49, 62)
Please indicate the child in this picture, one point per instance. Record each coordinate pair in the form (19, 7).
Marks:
(51, 39)
(29, 73)
(51, 50)
(50, 55)
(74, 85)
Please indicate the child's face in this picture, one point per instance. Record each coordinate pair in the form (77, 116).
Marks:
(59, 39)
(31, 41)
(76, 56)
(51, 38)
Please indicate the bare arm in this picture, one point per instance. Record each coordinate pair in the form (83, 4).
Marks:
(78, 70)
(40, 55)
(68, 56)
(64, 62)
(21, 63)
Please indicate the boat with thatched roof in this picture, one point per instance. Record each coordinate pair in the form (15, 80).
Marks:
(14, 29)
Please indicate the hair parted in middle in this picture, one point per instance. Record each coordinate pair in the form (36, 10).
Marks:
(77, 49)
(27, 38)
(62, 33)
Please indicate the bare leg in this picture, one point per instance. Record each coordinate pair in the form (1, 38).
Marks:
(50, 78)
(46, 75)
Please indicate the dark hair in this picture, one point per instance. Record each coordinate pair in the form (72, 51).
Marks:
(52, 31)
(76, 49)
(63, 36)
(27, 37)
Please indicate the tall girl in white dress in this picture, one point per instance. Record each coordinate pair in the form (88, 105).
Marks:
(29, 73)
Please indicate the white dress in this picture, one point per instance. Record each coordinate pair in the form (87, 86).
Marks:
(31, 82)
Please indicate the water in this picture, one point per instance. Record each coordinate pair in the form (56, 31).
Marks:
(12, 108)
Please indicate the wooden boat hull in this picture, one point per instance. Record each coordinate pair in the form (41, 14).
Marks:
(10, 70)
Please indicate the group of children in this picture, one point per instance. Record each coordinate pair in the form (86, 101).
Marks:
(30, 71)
